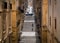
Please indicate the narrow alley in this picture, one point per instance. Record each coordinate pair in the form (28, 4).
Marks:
(29, 21)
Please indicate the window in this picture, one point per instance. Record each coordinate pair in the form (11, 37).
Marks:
(50, 41)
(5, 5)
(55, 1)
(18, 22)
(10, 6)
(55, 23)
(21, 10)
(50, 20)
(4, 41)
(50, 2)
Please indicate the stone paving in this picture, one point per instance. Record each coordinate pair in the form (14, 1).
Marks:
(29, 35)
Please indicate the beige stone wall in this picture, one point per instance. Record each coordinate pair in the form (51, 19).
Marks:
(54, 12)
(16, 16)
(14, 19)
(44, 12)
(50, 19)
(57, 16)
(0, 27)
(1, 20)
(44, 20)
(8, 21)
